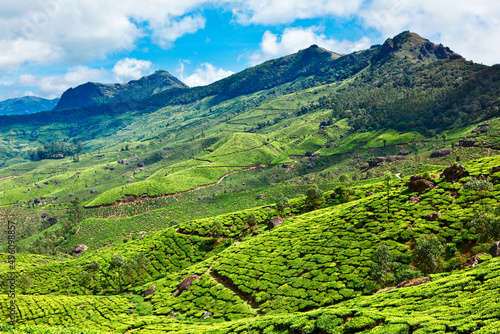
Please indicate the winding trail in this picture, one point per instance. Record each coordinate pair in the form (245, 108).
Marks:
(135, 198)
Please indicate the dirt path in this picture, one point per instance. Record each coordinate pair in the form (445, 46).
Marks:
(8, 177)
(134, 198)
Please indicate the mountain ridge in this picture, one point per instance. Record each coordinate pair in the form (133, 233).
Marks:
(92, 94)
(26, 105)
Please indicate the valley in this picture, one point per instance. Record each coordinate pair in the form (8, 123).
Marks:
(314, 193)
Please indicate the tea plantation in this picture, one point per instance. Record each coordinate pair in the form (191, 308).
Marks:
(313, 273)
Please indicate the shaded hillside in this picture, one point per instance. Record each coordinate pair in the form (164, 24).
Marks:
(26, 105)
(91, 94)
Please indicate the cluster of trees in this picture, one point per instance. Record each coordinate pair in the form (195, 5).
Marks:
(50, 242)
(405, 96)
(55, 150)
(120, 271)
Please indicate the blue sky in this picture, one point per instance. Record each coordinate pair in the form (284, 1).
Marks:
(51, 45)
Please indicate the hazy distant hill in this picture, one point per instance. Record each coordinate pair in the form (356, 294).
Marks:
(26, 105)
(91, 94)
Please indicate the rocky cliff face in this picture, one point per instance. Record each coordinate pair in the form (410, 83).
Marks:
(91, 94)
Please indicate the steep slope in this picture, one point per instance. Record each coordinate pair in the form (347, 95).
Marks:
(91, 94)
(26, 105)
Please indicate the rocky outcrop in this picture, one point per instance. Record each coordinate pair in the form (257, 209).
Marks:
(403, 152)
(275, 222)
(419, 184)
(186, 284)
(495, 249)
(441, 153)
(455, 172)
(482, 128)
(79, 249)
(469, 142)
(150, 291)
(414, 282)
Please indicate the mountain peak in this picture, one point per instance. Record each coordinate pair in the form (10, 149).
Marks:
(91, 94)
(412, 46)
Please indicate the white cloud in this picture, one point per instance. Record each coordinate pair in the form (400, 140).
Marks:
(295, 39)
(131, 69)
(287, 11)
(469, 28)
(166, 34)
(204, 75)
(78, 31)
(54, 86)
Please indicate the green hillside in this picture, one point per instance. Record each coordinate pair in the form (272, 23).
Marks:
(309, 194)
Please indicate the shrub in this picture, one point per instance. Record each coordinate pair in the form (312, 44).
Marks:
(427, 253)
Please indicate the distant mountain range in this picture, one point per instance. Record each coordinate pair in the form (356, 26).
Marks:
(92, 94)
(26, 105)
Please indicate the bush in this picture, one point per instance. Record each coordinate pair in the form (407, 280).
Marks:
(427, 254)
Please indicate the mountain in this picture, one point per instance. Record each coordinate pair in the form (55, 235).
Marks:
(91, 94)
(26, 105)
(314, 193)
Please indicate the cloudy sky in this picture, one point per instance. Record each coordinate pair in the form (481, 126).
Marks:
(47, 46)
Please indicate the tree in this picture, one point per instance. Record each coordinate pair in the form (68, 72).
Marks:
(383, 271)
(281, 204)
(116, 267)
(480, 187)
(93, 268)
(487, 224)
(251, 220)
(314, 197)
(426, 254)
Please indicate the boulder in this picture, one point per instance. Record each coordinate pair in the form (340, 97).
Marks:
(167, 148)
(141, 164)
(310, 166)
(150, 291)
(37, 200)
(495, 249)
(111, 168)
(275, 222)
(495, 169)
(43, 215)
(285, 166)
(308, 153)
(365, 165)
(414, 282)
(441, 153)
(469, 142)
(403, 152)
(390, 159)
(261, 196)
(399, 157)
(206, 315)
(79, 249)
(93, 191)
(433, 216)
(414, 199)
(482, 128)
(325, 123)
(419, 184)
(121, 162)
(455, 172)
(186, 284)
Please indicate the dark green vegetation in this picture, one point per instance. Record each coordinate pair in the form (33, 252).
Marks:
(278, 200)
(91, 94)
